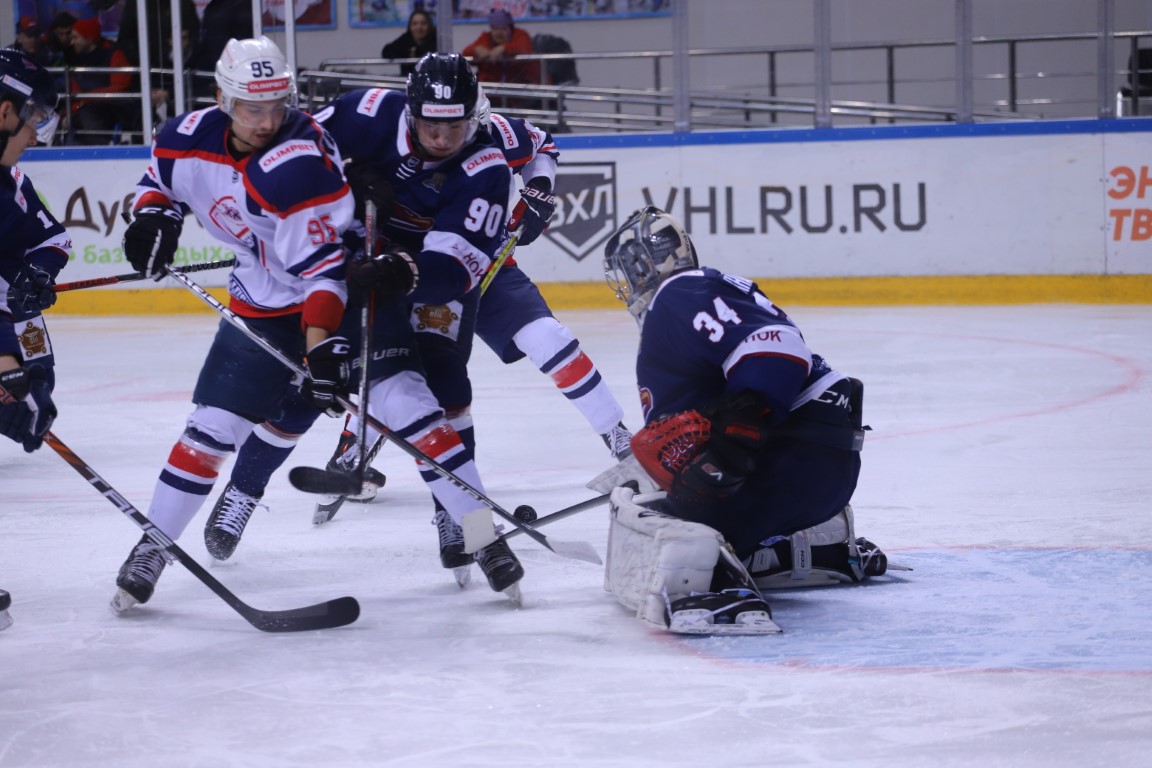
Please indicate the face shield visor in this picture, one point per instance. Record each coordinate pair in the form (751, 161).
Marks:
(258, 115)
(43, 119)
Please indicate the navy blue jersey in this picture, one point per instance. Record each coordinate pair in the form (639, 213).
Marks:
(29, 234)
(451, 212)
(707, 333)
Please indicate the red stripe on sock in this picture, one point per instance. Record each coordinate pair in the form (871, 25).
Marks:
(188, 458)
(440, 441)
(572, 373)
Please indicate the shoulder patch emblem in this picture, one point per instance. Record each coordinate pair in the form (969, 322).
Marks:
(481, 160)
(370, 103)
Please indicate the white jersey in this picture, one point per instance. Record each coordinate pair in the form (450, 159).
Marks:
(282, 209)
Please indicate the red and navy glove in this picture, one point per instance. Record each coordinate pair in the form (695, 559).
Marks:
(534, 211)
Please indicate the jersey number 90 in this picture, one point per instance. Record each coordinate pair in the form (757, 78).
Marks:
(482, 215)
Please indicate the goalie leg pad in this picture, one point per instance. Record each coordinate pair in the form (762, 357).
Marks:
(823, 555)
(654, 558)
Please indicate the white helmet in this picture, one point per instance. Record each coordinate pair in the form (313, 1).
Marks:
(253, 70)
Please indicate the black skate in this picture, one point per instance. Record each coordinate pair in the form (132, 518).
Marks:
(873, 562)
(139, 574)
(226, 524)
(619, 441)
(5, 617)
(345, 460)
(502, 569)
(452, 554)
(728, 612)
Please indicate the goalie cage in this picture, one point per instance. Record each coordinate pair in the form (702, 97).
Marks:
(662, 568)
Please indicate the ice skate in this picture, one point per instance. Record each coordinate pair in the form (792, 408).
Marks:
(345, 459)
(502, 569)
(139, 574)
(5, 617)
(729, 612)
(226, 524)
(452, 554)
(619, 441)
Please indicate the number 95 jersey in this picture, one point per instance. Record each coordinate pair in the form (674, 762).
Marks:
(707, 332)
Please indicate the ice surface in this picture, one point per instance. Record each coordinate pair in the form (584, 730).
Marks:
(1010, 465)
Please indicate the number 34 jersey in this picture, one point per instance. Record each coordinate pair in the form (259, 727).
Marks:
(706, 332)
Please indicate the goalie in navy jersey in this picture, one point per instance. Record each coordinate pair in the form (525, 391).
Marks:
(33, 249)
(754, 438)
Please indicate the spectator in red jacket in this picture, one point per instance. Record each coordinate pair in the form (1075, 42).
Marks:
(494, 53)
(93, 120)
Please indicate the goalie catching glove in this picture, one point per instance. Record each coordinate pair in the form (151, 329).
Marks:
(151, 239)
(328, 374)
(26, 407)
(392, 275)
(534, 211)
(705, 460)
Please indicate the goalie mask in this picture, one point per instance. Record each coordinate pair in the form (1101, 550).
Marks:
(32, 92)
(650, 247)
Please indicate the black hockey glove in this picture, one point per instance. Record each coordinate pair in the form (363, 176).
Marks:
(328, 374)
(26, 407)
(32, 289)
(151, 239)
(393, 275)
(369, 183)
(537, 203)
(739, 431)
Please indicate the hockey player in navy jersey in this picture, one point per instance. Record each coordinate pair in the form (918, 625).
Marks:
(442, 190)
(513, 318)
(263, 178)
(755, 438)
(33, 249)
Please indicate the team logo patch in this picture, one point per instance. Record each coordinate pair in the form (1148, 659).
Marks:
(585, 207)
(225, 214)
(34, 339)
(434, 318)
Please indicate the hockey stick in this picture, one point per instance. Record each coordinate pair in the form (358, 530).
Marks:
(501, 257)
(301, 476)
(365, 345)
(333, 613)
(96, 282)
(326, 511)
(528, 514)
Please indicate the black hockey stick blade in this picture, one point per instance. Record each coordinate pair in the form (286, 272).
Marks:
(327, 615)
(316, 480)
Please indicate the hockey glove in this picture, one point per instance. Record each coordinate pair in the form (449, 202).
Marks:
(393, 275)
(151, 239)
(32, 289)
(369, 183)
(537, 203)
(328, 374)
(739, 431)
(26, 407)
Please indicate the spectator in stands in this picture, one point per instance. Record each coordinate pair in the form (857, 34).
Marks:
(221, 21)
(417, 40)
(94, 120)
(60, 38)
(30, 41)
(160, 49)
(494, 54)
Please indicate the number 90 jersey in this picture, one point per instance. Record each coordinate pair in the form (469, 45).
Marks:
(707, 332)
(450, 211)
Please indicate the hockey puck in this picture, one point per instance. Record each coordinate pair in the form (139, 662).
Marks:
(525, 514)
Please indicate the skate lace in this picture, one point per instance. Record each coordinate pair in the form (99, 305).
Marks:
(619, 442)
(494, 555)
(148, 561)
(235, 510)
(450, 533)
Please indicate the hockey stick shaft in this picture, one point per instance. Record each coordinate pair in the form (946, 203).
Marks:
(333, 613)
(502, 257)
(575, 550)
(581, 507)
(366, 340)
(131, 277)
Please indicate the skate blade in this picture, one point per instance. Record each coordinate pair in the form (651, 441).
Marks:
(327, 510)
(122, 601)
(514, 594)
(5, 620)
(463, 575)
(699, 622)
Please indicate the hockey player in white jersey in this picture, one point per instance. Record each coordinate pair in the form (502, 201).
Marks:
(753, 436)
(265, 179)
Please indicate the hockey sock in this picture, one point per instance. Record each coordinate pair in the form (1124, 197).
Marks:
(265, 450)
(186, 480)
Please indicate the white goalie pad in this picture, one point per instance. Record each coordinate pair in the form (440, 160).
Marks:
(768, 573)
(624, 471)
(654, 558)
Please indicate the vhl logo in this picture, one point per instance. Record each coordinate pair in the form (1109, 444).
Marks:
(585, 207)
